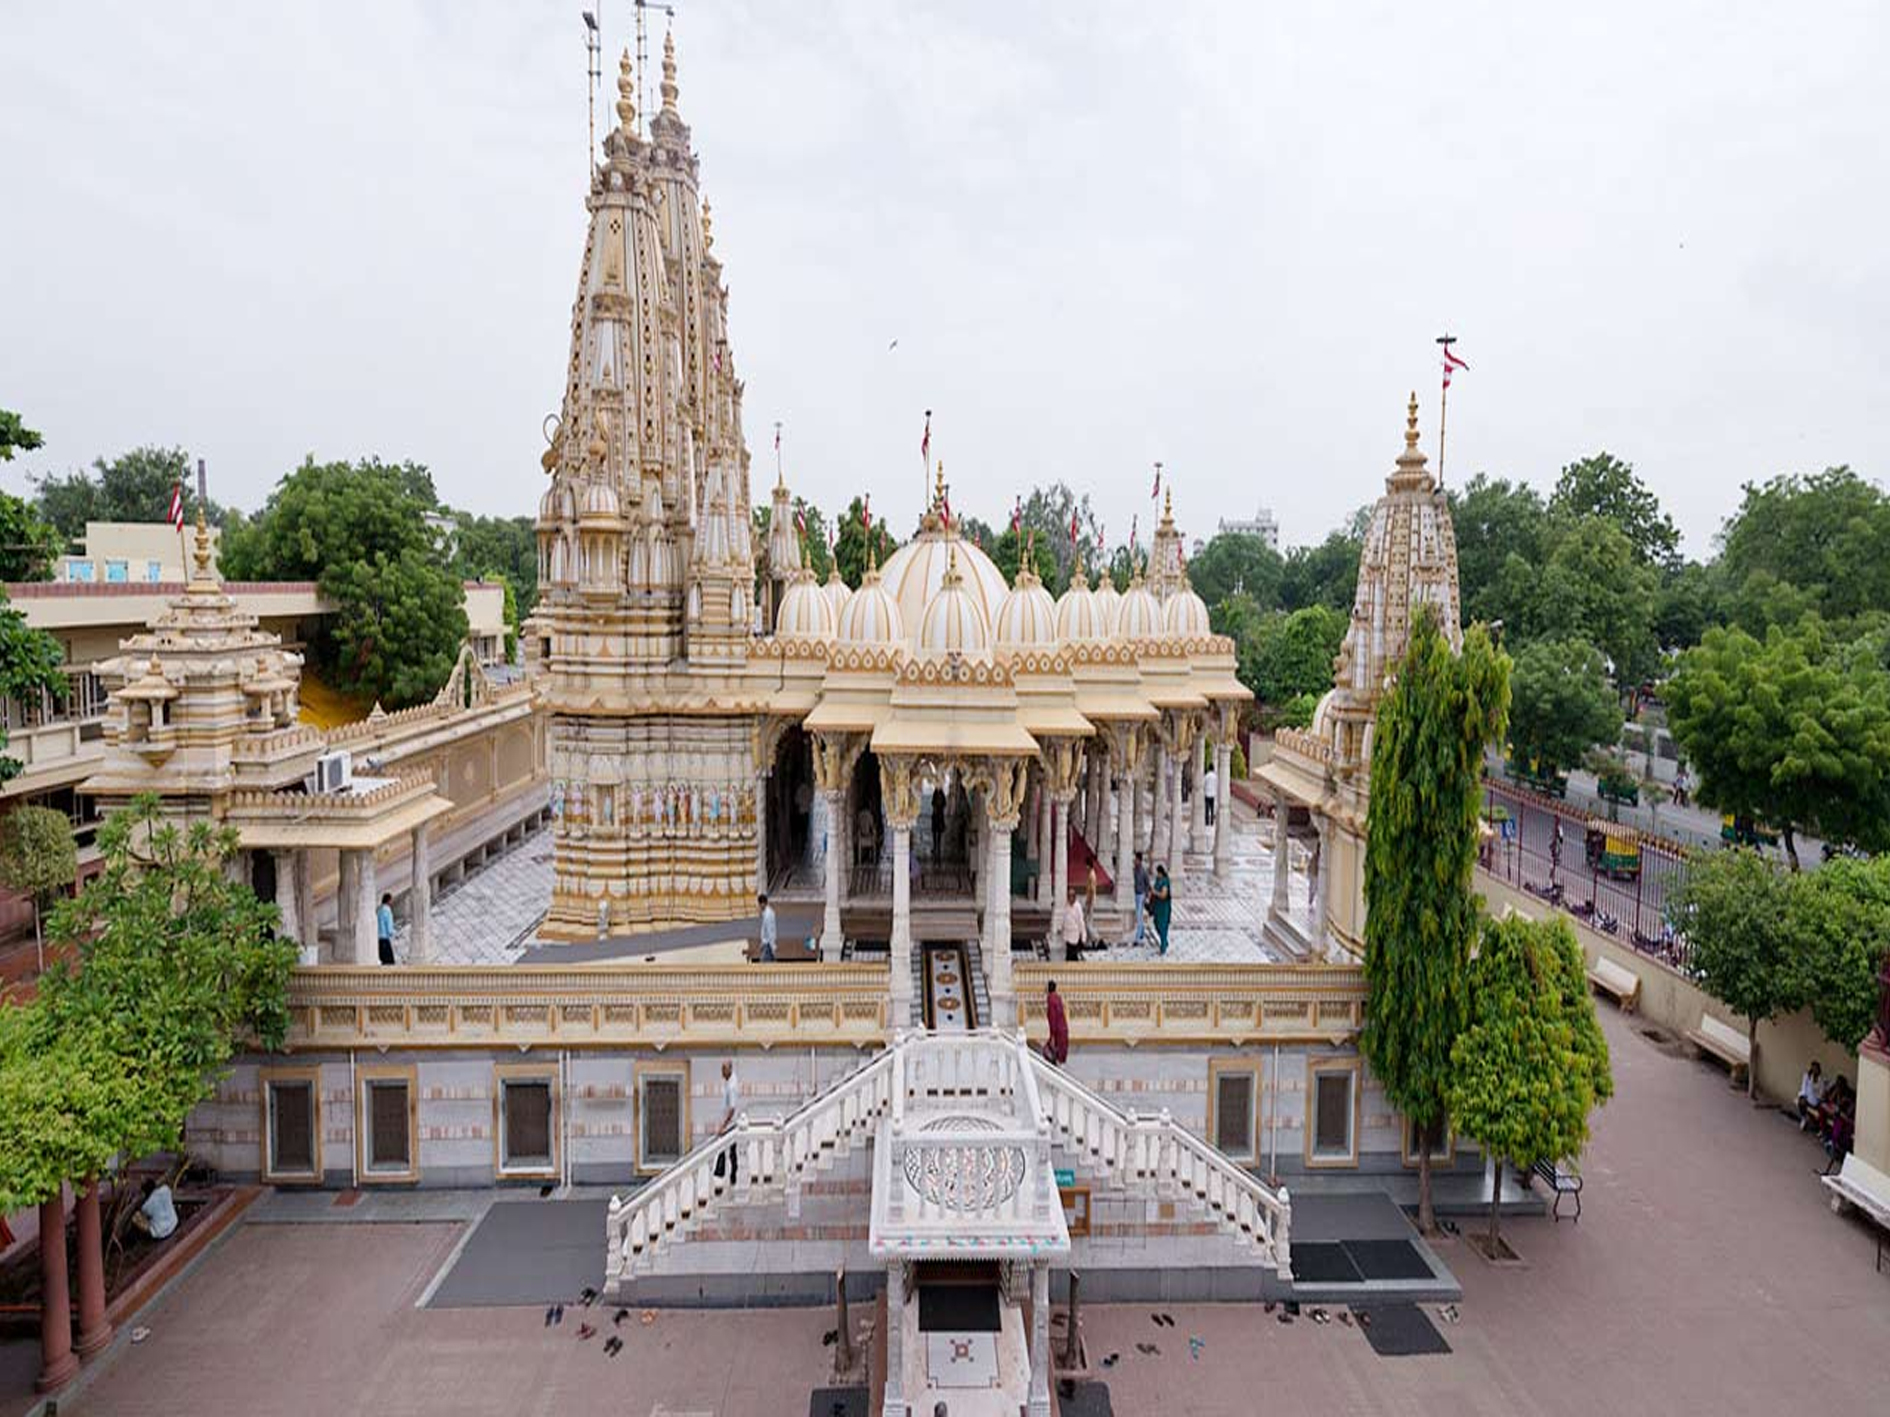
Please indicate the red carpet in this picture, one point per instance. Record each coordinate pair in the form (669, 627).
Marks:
(1081, 859)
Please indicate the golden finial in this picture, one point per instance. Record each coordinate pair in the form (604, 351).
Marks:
(1168, 504)
(201, 554)
(669, 71)
(952, 577)
(708, 228)
(626, 96)
(1410, 423)
(938, 485)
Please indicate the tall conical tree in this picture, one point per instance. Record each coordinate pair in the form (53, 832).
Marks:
(1435, 720)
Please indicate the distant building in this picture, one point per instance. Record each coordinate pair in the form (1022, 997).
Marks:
(129, 553)
(1260, 524)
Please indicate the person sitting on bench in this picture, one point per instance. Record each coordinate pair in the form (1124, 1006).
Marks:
(1810, 1094)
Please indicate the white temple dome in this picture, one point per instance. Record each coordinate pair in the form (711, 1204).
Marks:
(1027, 618)
(871, 615)
(805, 612)
(1138, 616)
(600, 503)
(1107, 598)
(1186, 614)
(836, 591)
(954, 621)
(1077, 616)
(915, 573)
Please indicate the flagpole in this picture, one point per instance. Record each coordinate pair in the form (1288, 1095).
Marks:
(1443, 403)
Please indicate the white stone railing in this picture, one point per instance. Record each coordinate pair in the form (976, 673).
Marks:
(1159, 1154)
(773, 1154)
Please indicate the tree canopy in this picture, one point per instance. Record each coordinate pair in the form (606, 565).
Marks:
(1560, 704)
(1825, 537)
(30, 546)
(30, 661)
(1421, 906)
(1531, 1062)
(1326, 574)
(1603, 486)
(1733, 908)
(1238, 563)
(15, 436)
(853, 539)
(132, 487)
(1839, 927)
(363, 532)
(1496, 520)
(172, 963)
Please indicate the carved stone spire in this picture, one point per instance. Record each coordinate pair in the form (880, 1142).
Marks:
(626, 96)
(669, 71)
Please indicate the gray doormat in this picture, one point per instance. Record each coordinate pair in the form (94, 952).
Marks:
(1387, 1259)
(525, 1253)
(839, 1402)
(1399, 1330)
(1084, 1400)
(1323, 1262)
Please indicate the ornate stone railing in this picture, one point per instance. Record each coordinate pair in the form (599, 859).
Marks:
(1161, 1002)
(1297, 740)
(264, 746)
(254, 804)
(773, 1155)
(555, 1006)
(1157, 1155)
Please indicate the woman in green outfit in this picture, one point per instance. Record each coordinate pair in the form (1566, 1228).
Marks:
(1161, 904)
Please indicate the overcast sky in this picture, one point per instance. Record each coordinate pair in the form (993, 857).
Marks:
(1224, 236)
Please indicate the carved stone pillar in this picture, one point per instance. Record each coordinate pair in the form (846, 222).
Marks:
(420, 898)
(1158, 803)
(761, 832)
(56, 1361)
(831, 940)
(1060, 872)
(1039, 1402)
(1223, 804)
(1197, 809)
(1177, 823)
(345, 921)
(287, 906)
(1282, 856)
(1315, 887)
(310, 936)
(94, 1329)
(1126, 788)
(1003, 991)
(894, 1404)
(900, 795)
(366, 939)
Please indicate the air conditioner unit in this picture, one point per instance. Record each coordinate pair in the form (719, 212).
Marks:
(333, 772)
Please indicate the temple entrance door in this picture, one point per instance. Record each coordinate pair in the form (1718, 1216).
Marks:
(869, 846)
(793, 857)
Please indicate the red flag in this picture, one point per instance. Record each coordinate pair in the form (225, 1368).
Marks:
(177, 505)
(1017, 516)
(866, 512)
(945, 506)
(1072, 528)
(1158, 483)
(1451, 362)
(1133, 522)
(1099, 538)
(800, 520)
(925, 441)
(777, 437)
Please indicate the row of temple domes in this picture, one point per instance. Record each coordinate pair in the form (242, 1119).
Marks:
(956, 600)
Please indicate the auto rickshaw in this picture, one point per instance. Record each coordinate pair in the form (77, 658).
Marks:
(1745, 831)
(1613, 850)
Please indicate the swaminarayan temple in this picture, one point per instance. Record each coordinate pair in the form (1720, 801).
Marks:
(920, 771)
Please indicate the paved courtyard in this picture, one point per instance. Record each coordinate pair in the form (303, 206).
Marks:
(1707, 1274)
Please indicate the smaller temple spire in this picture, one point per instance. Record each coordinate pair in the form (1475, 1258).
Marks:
(1410, 422)
(626, 97)
(202, 554)
(669, 71)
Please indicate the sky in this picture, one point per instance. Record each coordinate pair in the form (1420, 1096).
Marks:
(1224, 236)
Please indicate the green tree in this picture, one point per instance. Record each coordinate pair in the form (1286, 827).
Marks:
(1047, 511)
(1441, 712)
(1532, 1062)
(31, 661)
(853, 539)
(1237, 563)
(1733, 907)
(496, 548)
(1604, 486)
(1293, 654)
(133, 487)
(29, 545)
(1326, 574)
(1684, 606)
(361, 530)
(37, 859)
(1827, 536)
(1008, 550)
(16, 436)
(172, 964)
(1791, 731)
(1495, 520)
(813, 537)
(1595, 587)
(1560, 704)
(1839, 924)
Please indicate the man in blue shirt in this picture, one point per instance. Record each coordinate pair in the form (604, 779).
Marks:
(384, 927)
(767, 929)
(1141, 899)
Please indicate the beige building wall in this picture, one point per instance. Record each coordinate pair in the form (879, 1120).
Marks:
(147, 552)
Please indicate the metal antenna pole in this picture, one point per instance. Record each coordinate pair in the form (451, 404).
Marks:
(594, 73)
(643, 96)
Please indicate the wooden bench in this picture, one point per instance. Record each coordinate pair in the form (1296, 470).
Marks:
(1621, 984)
(1561, 1181)
(1863, 1187)
(1724, 1042)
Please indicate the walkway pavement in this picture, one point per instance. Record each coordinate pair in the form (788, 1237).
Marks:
(1706, 1275)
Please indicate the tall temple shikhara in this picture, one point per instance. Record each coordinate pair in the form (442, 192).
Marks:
(646, 563)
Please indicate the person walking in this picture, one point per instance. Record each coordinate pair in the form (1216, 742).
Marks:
(1075, 928)
(768, 929)
(384, 927)
(1210, 784)
(938, 822)
(1161, 905)
(1057, 1046)
(1141, 900)
(731, 1104)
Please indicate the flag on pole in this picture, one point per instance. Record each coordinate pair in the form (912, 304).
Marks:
(1017, 516)
(800, 520)
(1157, 491)
(925, 442)
(1451, 362)
(1073, 530)
(866, 512)
(945, 507)
(177, 505)
(1099, 538)
(777, 437)
(1134, 521)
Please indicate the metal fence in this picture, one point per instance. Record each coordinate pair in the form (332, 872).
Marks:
(1542, 847)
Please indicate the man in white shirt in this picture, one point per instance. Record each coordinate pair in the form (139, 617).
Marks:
(1075, 928)
(768, 929)
(157, 1216)
(1810, 1092)
(1209, 782)
(731, 1106)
